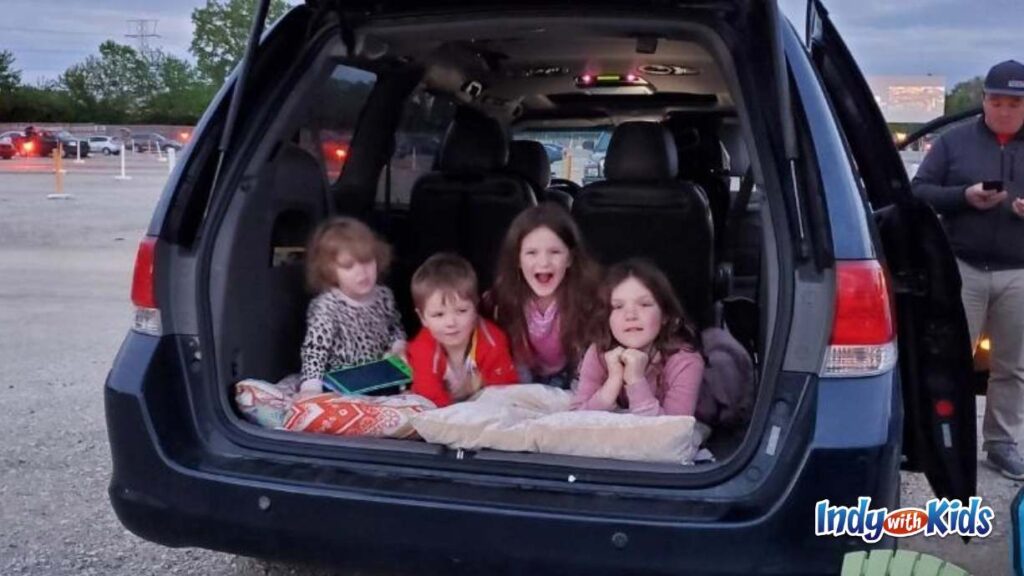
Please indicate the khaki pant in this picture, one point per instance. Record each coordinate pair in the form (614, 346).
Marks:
(994, 302)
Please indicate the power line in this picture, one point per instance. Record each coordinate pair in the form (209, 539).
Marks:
(142, 33)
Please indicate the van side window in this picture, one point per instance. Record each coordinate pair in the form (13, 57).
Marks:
(332, 119)
(425, 118)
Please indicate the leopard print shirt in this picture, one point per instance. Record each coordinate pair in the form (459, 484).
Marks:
(342, 332)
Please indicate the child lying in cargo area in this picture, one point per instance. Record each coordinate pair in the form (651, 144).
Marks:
(456, 352)
(647, 358)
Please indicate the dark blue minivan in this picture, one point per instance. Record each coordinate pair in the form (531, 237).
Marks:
(752, 166)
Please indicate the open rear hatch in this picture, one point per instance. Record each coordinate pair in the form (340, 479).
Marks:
(940, 437)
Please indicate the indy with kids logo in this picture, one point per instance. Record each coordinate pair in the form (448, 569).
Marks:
(939, 517)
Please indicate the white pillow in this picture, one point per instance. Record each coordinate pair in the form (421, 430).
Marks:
(536, 418)
(670, 439)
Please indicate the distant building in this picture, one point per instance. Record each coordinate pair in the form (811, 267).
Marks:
(909, 99)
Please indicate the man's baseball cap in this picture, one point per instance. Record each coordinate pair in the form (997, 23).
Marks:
(1006, 78)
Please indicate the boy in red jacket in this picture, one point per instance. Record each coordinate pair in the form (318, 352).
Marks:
(456, 352)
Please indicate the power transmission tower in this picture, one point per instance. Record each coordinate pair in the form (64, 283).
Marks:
(142, 31)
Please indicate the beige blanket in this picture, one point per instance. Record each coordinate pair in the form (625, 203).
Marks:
(536, 418)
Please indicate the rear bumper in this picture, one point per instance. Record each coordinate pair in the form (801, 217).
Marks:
(166, 492)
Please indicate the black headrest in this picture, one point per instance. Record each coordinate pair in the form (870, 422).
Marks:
(474, 143)
(687, 138)
(529, 159)
(641, 151)
(700, 148)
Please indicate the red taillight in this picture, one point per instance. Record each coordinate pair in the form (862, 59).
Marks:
(27, 147)
(341, 153)
(863, 337)
(863, 315)
(143, 294)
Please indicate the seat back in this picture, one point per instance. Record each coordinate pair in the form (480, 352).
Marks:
(642, 210)
(267, 266)
(468, 203)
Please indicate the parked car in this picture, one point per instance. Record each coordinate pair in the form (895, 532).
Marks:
(334, 148)
(150, 141)
(106, 144)
(70, 144)
(555, 152)
(16, 138)
(34, 142)
(7, 150)
(37, 143)
(29, 142)
(593, 171)
(852, 315)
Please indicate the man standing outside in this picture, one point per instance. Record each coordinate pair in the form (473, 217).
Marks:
(974, 177)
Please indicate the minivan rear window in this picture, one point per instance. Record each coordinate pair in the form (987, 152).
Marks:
(418, 138)
(327, 131)
(574, 154)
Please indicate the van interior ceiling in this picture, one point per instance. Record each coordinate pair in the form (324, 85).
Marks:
(355, 145)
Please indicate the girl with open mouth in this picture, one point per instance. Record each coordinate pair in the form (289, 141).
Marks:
(544, 294)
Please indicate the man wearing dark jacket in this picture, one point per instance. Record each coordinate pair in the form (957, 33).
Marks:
(974, 177)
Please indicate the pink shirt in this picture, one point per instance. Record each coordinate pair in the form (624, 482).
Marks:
(667, 389)
(545, 338)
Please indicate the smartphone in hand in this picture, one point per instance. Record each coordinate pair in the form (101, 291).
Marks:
(993, 185)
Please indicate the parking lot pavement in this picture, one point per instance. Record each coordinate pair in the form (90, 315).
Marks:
(65, 270)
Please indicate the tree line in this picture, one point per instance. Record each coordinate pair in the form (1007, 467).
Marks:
(123, 85)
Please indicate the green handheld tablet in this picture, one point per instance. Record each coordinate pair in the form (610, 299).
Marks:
(386, 376)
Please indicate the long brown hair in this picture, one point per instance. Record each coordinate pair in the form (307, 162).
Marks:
(678, 330)
(575, 296)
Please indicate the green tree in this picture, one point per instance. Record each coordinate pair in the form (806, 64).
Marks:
(183, 94)
(76, 85)
(122, 85)
(114, 85)
(9, 77)
(221, 31)
(37, 104)
(965, 95)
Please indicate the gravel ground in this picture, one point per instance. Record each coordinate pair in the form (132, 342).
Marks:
(65, 271)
